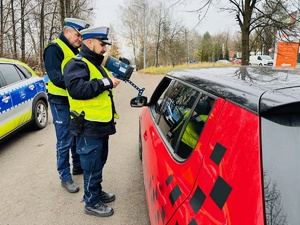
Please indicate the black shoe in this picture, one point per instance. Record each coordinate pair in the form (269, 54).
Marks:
(70, 186)
(99, 210)
(77, 170)
(106, 197)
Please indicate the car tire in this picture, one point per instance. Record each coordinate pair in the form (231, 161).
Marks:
(140, 146)
(40, 115)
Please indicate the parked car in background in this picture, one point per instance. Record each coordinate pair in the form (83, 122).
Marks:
(237, 61)
(193, 61)
(221, 146)
(23, 98)
(261, 60)
(222, 61)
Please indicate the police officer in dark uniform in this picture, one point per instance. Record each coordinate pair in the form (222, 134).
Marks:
(90, 91)
(65, 46)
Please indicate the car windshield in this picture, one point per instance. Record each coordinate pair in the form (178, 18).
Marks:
(281, 158)
(266, 57)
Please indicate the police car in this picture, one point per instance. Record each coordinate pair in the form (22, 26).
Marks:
(233, 155)
(23, 98)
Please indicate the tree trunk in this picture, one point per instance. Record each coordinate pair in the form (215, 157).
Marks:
(68, 8)
(245, 28)
(15, 53)
(157, 44)
(245, 46)
(23, 30)
(42, 34)
(62, 12)
(1, 28)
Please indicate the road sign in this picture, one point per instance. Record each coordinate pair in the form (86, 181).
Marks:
(286, 54)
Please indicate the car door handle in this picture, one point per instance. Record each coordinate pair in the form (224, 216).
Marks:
(160, 195)
(6, 99)
(145, 136)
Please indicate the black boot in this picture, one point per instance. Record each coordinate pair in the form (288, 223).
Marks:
(99, 210)
(77, 170)
(70, 186)
(106, 197)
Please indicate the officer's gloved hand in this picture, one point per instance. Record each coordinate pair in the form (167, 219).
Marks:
(124, 60)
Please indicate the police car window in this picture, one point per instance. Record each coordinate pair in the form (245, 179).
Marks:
(2, 82)
(24, 71)
(183, 114)
(9, 73)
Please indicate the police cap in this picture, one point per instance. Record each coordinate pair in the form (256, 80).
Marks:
(77, 24)
(100, 33)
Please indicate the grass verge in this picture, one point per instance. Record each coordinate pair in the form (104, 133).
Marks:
(166, 69)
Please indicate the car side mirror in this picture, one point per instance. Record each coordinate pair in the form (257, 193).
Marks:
(138, 101)
(259, 58)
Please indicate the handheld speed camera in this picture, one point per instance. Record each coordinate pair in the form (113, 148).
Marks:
(122, 70)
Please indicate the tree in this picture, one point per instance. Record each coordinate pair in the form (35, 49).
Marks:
(114, 50)
(131, 15)
(253, 14)
(205, 50)
(166, 42)
(27, 26)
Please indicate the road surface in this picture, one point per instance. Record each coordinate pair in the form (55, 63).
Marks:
(30, 190)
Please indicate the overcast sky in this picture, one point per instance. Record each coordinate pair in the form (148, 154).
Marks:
(106, 14)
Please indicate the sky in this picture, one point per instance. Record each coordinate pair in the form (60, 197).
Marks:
(106, 14)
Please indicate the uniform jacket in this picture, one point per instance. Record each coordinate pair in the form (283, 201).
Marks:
(53, 57)
(79, 86)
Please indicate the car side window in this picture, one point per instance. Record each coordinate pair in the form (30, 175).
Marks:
(183, 114)
(2, 82)
(24, 72)
(10, 74)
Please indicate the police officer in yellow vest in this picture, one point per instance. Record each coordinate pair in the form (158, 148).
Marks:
(90, 91)
(65, 46)
(193, 128)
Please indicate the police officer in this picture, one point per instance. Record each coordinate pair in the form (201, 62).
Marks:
(65, 46)
(90, 93)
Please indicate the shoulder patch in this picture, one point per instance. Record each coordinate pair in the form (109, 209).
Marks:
(78, 57)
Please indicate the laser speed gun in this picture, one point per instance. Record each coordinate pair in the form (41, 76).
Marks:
(122, 70)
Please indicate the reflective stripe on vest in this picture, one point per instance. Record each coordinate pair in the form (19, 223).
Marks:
(52, 89)
(99, 108)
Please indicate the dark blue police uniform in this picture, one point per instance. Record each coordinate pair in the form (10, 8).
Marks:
(92, 143)
(59, 105)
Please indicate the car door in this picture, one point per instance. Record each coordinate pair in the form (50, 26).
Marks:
(5, 106)
(16, 98)
(169, 140)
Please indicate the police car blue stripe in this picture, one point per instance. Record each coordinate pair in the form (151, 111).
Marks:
(20, 95)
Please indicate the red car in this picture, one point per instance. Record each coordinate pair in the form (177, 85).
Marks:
(237, 61)
(221, 146)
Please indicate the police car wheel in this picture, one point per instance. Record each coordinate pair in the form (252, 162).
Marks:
(40, 114)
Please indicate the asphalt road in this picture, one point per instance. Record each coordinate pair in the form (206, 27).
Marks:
(30, 190)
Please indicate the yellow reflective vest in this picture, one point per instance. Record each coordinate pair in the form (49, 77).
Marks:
(52, 89)
(99, 108)
(190, 136)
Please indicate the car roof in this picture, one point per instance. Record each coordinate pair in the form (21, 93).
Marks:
(14, 61)
(258, 89)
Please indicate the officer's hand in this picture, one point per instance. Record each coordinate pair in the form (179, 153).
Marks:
(115, 82)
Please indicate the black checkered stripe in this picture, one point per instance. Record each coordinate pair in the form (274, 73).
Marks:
(219, 193)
